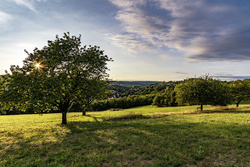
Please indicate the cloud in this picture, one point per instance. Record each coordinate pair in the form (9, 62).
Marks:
(205, 30)
(30, 4)
(181, 73)
(4, 19)
(26, 3)
(146, 64)
(231, 77)
(166, 57)
(231, 47)
(129, 42)
(144, 27)
(127, 3)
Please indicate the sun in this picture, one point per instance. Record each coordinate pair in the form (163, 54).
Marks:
(37, 65)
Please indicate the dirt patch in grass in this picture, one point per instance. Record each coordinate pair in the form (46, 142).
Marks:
(128, 116)
(115, 109)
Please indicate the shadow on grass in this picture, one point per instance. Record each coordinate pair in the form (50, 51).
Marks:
(94, 118)
(224, 110)
(130, 142)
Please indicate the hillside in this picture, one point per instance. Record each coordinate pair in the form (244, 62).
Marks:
(143, 136)
(126, 88)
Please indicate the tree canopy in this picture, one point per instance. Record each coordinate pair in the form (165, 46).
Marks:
(240, 90)
(202, 91)
(58, 76)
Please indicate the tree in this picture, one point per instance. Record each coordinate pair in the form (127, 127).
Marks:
(240, 90)
(202, 91)
(5, 106)
(165, 99)
(2, 88)
(2, 84)
(58, 76)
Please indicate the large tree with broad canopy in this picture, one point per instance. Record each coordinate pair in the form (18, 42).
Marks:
(240, 90)
(202, 91)
(58, 76)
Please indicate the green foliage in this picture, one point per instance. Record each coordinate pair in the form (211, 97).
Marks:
(2, 89)
(6, 106)
(118, 88)
(151, 89)
(165, 99)
(58, 76)
(202, 91)
(240, 90)
(160, 100)
(122, 102)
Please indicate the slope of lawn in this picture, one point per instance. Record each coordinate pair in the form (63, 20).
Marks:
(173, 136)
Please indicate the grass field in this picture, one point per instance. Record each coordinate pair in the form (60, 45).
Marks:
(173, 136)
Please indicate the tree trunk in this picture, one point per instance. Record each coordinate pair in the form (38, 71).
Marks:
(64, 117)
(83, 112)
(64, 107)
(85, 109)
(237, 104)
(201, 107)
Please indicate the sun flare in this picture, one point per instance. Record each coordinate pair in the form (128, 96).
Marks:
(37, 65)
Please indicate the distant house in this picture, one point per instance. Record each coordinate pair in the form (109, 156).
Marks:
(115, 94)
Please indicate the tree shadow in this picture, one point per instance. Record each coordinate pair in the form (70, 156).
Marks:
(231, 110)
(94, 118)
(132, 142)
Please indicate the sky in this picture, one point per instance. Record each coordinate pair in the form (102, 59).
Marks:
(149, 40)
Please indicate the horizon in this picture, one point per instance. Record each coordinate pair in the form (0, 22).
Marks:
(164, 40)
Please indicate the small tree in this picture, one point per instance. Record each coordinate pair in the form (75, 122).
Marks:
(58, 76)
(240, 90)
(202, 91)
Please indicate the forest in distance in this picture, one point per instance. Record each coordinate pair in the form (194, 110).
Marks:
(128, 94)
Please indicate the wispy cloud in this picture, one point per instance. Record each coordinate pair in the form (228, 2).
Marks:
(231, 77)
(129, 42)
(181, 73)
(144, 27)
(206, 31)
(30, 4)
(4, 19)
(26, 3)
(166, 56)
(127, 3)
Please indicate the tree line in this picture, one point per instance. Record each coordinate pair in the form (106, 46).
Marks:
(194, 91)
(201, 91)
(204, 90)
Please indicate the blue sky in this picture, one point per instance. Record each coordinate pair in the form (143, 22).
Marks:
(159, 40)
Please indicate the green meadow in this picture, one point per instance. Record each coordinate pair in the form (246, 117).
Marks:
(141, 136)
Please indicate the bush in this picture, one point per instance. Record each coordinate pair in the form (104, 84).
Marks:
(122, 102)
(166, 99)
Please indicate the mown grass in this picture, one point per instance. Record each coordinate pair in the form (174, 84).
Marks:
(174, 136)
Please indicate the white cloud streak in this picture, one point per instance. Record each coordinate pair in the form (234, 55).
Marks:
(30, 4)
(26, 3)
(4, 19)
(129, 42)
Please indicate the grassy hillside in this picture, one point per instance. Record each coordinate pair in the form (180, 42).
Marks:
(174, 136)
